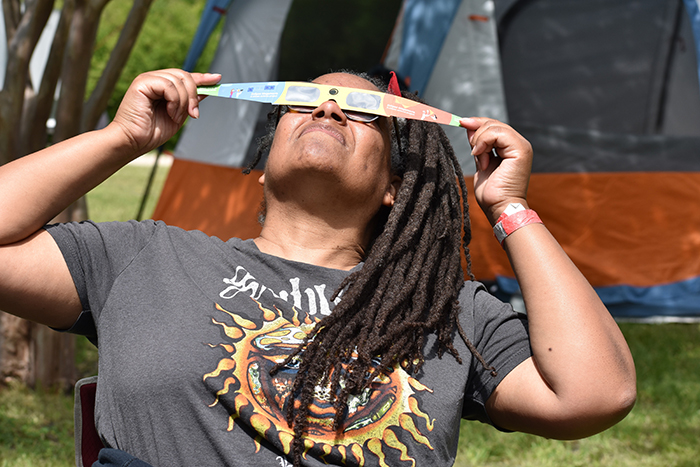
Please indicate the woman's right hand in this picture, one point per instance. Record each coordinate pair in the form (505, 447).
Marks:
(157, 104)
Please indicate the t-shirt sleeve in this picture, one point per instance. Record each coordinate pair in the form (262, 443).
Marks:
(96, 254)
(501, 337)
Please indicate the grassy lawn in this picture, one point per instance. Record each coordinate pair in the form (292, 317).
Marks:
(127, 186)
(662, 430)
(36, 427)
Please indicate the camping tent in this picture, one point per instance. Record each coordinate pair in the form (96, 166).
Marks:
(606, 91)
(608, 94)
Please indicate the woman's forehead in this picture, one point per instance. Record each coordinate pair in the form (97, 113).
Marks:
(347, 80)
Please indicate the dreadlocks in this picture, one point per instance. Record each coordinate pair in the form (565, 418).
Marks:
(407, 288)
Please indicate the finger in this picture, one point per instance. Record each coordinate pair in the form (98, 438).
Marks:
(471, 124)
(175, 94)
(206, 79)
(483, 140)
(486, 135)
(190, 88)
(476, 126)
(487, 162)
(162, 86)
(202, 79)
(493, 136)
(191, 81)
(482, 162)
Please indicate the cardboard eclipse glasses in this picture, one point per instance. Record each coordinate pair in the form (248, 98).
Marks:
(312, 95)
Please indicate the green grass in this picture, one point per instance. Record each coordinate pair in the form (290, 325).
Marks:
(36, 427)
(663, 429)
(128, 187)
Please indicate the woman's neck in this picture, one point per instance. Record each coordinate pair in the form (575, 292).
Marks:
(298, 236)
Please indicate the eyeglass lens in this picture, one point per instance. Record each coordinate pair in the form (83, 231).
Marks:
(356, 99)
(350, 114)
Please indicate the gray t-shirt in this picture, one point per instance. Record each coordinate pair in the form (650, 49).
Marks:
(188, 327)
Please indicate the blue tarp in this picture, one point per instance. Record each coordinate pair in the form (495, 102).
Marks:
(694, 15)
(211, 15)
(679, 299)
(426, 24)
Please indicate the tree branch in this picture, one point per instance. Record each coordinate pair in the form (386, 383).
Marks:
(99, 98)
(97, 5)
(34, 133)
(11, 12)
(20, 48)
(75, 68)
(27, 32)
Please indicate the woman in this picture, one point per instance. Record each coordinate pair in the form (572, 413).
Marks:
(240, 352)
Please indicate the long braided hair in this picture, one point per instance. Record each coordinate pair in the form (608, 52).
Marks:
(407, 288)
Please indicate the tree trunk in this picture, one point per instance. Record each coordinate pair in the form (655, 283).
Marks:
(25, 31)
(117, 59)
(35, 354)
(53, 358)
(31, 352)
(15, 352)
(37, 109)
(76, 65)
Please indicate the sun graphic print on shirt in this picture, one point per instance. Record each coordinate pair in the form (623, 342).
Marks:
(258, 400)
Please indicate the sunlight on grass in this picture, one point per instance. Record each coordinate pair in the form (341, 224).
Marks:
(662, 429)
(128, 186)
(36, 427)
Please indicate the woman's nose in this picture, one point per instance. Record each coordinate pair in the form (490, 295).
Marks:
(329, 109)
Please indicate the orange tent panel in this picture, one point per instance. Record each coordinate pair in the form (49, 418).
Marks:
(626, 228)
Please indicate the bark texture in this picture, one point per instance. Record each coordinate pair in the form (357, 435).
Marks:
(31, 352)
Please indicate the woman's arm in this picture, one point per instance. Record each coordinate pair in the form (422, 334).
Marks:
(581, 377)
(34, 280)
(37, 187)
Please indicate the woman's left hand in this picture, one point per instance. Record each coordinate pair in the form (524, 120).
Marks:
(501, 179)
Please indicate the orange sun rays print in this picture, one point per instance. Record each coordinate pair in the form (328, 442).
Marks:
(258, 400)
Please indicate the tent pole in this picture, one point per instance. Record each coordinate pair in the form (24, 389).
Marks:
(147, 191)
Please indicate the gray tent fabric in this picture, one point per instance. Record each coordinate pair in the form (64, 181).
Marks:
(601, 88)
(466, 77)
(426, 25)
(247, 52)
(605, 65)
(469, 66)
(561, 149)
(693, 8)
(681, 112)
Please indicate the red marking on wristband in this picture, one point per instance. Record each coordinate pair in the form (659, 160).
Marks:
(515, 221)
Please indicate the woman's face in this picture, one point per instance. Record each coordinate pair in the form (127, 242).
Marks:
(325, 150)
